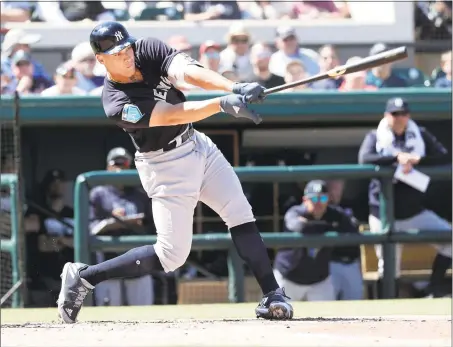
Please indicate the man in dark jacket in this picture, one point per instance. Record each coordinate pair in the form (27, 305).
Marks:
(400, 142)
(304, 272)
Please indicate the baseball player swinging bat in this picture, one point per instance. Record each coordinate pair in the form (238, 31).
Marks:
(366, 63)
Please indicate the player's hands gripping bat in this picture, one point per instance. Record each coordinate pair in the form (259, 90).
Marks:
(363, 64)
(253, 92)
(236, 106)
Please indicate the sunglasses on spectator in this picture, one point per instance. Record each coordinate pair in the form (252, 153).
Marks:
(289, 38)
(23, 63)
(399, 114)
(323, 199)
(212, 55)
(240, 40)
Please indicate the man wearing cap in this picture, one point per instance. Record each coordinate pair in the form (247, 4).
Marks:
(106, 203)
(65, 82)
(398, 141)
(84, 61)
(260, 55)
(18, 39)
(288, 49)
(383, 76)
(210, 55)
(304, 272)
(24, 81)
(237, 52)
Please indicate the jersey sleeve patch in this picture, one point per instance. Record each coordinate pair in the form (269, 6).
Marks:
(131, 113)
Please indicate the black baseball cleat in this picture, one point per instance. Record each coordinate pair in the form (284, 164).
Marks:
(275, 305)
(73, 292)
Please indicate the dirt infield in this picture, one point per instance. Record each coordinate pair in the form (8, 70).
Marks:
(412, 323)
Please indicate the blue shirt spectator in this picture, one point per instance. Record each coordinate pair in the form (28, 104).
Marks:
(84, 61)
(383, 76)
(443, 82)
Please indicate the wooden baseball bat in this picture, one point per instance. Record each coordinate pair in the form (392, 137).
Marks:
(363, 64)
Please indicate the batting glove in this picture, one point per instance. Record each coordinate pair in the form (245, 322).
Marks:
(253, 92)
(236, 106)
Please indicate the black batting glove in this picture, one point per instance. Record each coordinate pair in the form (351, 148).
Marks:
(236, 106)
(253, 92)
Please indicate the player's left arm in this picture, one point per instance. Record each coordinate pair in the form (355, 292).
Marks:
(436, 153)
(185, 69)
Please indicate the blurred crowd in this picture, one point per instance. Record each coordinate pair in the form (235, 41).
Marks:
(242, 60)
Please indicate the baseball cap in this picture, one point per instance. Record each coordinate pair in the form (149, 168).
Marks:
(378, 48)
(209, 44)
(285, 31)
(237, 29)
(82, 51)
(53, 175)
(397, 105)
(119, 155)
(316, 187)
(20, 56)
(18, 37)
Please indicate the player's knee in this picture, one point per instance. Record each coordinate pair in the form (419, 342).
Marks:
(171, 256)
(238, 213)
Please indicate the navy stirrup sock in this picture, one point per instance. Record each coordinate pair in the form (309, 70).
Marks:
(251, 249)
(137, 262)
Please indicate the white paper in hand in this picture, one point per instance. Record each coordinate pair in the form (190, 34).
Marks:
(414, 178)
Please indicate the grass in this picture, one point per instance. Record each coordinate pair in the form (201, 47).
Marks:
(400, 307)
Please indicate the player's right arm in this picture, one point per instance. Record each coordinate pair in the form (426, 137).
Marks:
(146, 112)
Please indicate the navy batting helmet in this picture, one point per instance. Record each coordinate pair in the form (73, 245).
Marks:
(110, 38)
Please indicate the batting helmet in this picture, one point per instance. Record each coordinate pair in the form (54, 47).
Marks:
(110, 38)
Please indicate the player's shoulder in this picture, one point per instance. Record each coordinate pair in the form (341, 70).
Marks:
(113, 99)
(150, 46)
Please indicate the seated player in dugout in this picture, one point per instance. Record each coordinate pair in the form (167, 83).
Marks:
(178, 165)
(304, 272)
(399, 141)
(345, 266)
(111, 203)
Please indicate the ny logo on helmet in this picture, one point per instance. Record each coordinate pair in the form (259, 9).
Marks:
(119, 35)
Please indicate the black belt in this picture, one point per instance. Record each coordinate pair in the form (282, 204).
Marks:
(184, 137)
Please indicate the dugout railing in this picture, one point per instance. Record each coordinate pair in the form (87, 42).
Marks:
(10, 271)
(85, 244)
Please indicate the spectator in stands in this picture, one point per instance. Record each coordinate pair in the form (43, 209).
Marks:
(71, 11)
(402, 143)
(237, 53)
(356, 80)
(265, 9)
(6, 79)
(24, 80)
(15, 11)
(328, 59)
(126, 210)
(16, 40)
(383, 76)
(433, 20)
(210, 55)
(345, 266)
(180, 43)
(65, 82)
(320, 9)
(445, 81)
(260, 55)
(208, 10)
(295, 71)
(304, 272)
(288, 49)
(84, 62)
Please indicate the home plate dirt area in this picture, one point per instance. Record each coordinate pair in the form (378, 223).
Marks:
(423, 322)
